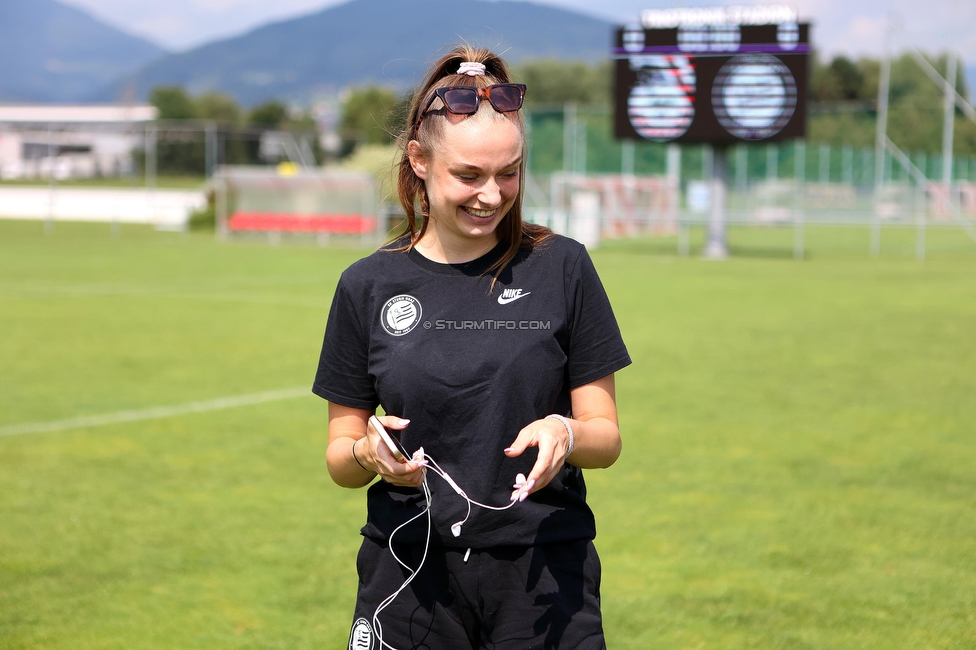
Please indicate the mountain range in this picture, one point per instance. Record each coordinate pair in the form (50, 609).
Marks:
(386, 42)
(54, 53)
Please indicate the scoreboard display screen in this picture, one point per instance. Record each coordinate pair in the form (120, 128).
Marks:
(718, 75)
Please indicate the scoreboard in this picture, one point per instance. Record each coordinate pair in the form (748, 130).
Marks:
(716, 75)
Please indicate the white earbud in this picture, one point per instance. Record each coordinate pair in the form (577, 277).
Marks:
(455, 530)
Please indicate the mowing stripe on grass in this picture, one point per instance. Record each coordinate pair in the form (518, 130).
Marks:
(53, 293)
(155, 412)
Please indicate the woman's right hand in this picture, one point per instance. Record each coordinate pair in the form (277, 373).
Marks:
(375, 455)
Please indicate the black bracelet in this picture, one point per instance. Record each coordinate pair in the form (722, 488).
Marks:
(356, 458)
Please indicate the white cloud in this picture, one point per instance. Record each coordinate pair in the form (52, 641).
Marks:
(182, 24)
(161, 29)
(855, 36)
(852, 27)
(856, 28)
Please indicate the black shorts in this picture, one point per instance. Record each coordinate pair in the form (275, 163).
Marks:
(503, 598)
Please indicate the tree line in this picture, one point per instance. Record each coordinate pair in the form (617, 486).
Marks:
(842, 109)
(376, 115)
(181, 149)
(842, 102)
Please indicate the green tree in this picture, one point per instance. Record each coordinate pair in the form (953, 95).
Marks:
(550, 81)
(916, 105)
(369, 116)
(219, 107)
(915, 109)
(850, 79)
(822, 86)
(173, 103)
(276, 116)
(839, 80)
(272, 115)
(232, 145)
(871, 76)
(177, 152)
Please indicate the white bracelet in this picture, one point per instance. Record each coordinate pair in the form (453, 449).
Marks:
(569, 431)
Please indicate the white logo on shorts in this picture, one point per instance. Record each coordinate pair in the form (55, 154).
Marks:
(400, 314)
(361, 637)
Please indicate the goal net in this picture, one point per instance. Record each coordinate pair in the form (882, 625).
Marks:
(286, 199)
(588, 208)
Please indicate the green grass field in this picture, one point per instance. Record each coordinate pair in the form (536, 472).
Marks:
(163, 182)
(798, 467)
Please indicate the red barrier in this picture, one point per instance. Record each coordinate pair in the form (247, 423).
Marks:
(346, 224)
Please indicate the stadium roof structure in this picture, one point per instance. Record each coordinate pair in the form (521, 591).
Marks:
(27, 115)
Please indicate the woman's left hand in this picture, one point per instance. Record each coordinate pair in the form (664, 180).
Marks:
(596, 437)
(550, 436)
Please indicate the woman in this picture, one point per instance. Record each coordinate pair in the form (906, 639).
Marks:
(490, 343)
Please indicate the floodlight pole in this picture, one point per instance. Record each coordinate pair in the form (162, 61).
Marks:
(772, 162)
(948, 120)
(51, 155)
(715, 247)
(673, 174)
(799, 195)
(150, 139)
(220, 199)
(627, 155)
(579, 148)
(569, 137)
(880, 139)
(210, 151)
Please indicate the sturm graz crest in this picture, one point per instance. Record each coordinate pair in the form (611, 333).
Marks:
(361, 637)
(400, 314)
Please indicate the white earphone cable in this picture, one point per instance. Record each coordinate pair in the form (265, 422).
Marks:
(455, 528)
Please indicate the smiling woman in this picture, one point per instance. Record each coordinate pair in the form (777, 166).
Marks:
(471, 183)
(462, 164)
(483, 385)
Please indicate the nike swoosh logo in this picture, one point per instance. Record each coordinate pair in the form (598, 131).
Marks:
(502, 300)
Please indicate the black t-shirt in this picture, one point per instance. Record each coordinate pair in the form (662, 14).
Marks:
(469, 367)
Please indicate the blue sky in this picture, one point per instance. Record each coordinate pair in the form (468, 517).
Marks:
(851, 27)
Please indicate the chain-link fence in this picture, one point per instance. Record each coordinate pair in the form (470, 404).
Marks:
(580, 140)
(584, 183)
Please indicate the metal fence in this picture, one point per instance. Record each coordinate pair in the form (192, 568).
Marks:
(580, 140)
(585, 183)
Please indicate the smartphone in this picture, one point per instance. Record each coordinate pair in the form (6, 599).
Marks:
(392, 440)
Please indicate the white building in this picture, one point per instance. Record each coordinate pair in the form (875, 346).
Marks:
(72, 141)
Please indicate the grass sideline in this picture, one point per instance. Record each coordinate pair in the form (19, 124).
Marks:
(797, 470)
(163, 181)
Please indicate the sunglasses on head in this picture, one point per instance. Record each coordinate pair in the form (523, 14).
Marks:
(464, 100)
